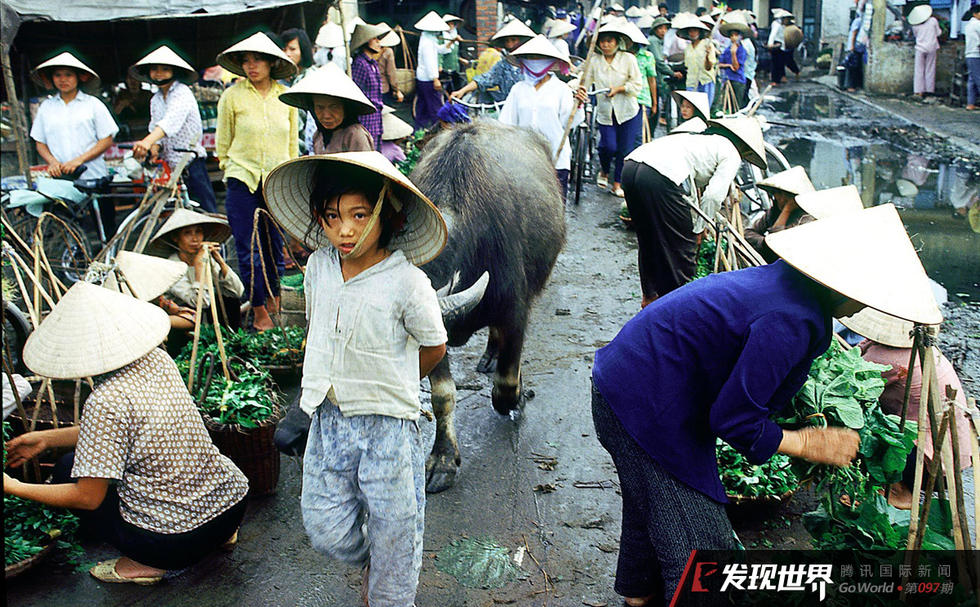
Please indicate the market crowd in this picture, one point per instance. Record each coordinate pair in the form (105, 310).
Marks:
(307, 146)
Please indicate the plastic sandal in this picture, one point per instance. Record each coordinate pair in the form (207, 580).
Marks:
(619, 192)
(105, 571)
(602, 182)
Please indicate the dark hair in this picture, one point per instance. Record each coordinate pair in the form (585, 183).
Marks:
(328, 187)
(305, 47)
(663, 5)
(700, 11)
(350, 117)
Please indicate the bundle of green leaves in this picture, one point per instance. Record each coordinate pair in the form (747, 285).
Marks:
(247, 400)
(412, 153)
(741, 478)
(274, 347)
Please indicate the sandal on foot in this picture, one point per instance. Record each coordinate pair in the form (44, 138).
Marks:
(602, 182)
(619, 192)
(231, 542)
(105, 571)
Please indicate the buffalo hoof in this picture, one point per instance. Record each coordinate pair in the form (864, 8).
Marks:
(487, 364)
(440, 472)
(506, 399)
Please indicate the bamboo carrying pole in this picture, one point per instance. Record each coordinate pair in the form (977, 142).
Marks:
(586, 82)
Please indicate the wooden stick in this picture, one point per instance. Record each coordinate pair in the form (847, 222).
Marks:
(954, 443)
(930, 485)
(975, 452)
(916, 342)
(586, 82)
(920, 453)
(214, 318)
(197, 339)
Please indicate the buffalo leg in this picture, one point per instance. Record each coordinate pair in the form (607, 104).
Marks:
(507, 381)
(442, 465)
(488, 362)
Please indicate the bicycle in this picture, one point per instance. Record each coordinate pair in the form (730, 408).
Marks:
(482, 109)
(584, 142)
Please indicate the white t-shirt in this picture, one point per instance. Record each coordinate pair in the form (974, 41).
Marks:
(546, 110)
(362, 344)
(972, 34)
(71, 129)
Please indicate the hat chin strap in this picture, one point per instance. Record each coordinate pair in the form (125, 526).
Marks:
(375, 216)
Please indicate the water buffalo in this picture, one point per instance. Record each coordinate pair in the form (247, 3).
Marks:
(496, 187)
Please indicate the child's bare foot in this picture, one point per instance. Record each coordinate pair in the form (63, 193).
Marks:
(263, 322)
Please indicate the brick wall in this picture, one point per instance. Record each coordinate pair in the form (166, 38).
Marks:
(486, 19)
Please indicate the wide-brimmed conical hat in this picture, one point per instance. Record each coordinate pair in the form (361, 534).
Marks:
(163, 56)
(330, 35)
(432, 22)
(693, 125)
(616, 7)
(919, 14)
(394, 128)
(700, 101)
(684, 21)
(448, 17)
(825, 203)
(92, 331)
(644, 22)
(707, 20)
(327, 80)
(149, 277)
(780, 13)
(635, 34)
(281, 66)
(350, 25)
(793, 181)
(391, 38)
(216, 230)
(866, 256)
(560, 28)
(288, 187)
(87, 78)
(634, 12)
(617, 26)
(734, 21)
(749, 133)
(541, 47)
(365, 32)
(514, 27)
(792, 36)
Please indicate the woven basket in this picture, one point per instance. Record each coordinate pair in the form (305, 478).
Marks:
(405, 76)
(252, 450)
(14, 569)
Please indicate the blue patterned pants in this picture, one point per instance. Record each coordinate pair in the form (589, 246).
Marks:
(364, 498)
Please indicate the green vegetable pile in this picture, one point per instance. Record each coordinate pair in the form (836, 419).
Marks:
(412, 153)
(247, 400)
(29, 526)
(274, 347)
(744, 479)
(293, 281)
(706, 257)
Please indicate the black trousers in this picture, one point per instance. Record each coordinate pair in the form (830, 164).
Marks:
(160, 550)
(666, 243)
(663, 519)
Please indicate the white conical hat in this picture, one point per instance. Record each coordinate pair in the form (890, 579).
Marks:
(634, 12)
(394, 128)
(450, 17)
(734, 21)
(685, 21)
(87, 78)
(281, 66)
(539, 45)
(163, 244)
(351, 25)
(514, 27)
(792, 181)
(644, 22)
(780, 13)
(148, 276)
(615, 6)
(707, 20)
(747, 131)
(919, 14)
(391, 38)
(635, 34)
(825, 203)
(432, 22)
(330, 35)
(327, 80)
(92, 331)
(694, 125)
(364, 32)
(288, 187)
(560, 28)
(866, 256)
(163, 56)
(700, 101)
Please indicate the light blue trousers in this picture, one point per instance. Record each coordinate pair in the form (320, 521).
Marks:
(364, 498)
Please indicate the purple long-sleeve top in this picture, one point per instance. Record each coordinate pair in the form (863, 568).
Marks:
(726, 57)
(365, 73)
(714, 358)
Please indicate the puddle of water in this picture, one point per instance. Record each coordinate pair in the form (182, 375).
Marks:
(927, 192)
(795, 104)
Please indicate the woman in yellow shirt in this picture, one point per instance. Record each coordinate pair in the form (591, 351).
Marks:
(256, 132)
(700, 58)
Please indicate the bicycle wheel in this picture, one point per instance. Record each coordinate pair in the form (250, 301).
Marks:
(578, 162)
(66, 245)
(16, 328)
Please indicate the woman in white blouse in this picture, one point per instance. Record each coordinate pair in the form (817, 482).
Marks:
(617, 110)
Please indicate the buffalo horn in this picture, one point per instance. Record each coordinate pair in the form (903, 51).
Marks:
(456, 305)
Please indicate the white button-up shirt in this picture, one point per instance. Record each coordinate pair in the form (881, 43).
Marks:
(362, 345)
(429, 51)
(71, 129)
(545, 110)
(179, 117)
(622, 71)
(712, 160)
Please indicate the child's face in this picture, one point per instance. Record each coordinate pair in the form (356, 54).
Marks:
(687, 109)
(190, 239)
(345, 220)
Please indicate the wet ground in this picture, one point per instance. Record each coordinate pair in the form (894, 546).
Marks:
(539, 486)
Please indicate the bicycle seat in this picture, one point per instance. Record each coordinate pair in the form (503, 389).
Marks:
(92, 186)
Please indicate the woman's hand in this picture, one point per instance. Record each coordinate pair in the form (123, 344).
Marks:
(67, 168)
(54, 169)
(580, 96)
(140, 149)
(24, 448)
(615, 91)
(437, 84)
(834, 446)
(399, 96)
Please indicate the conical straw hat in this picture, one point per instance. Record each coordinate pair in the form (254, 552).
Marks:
(792, 181)
(216, 230)
(539, 46)
(702, 106)
(281, 65)
(919, 14)
(635, 34)
(432, 22)
(707, 20)
(394, 128)
(365, 32)
(634, 12)
(694, 125)
(387, 109)
(825, 203)
(644, 22)
(884, 328)
(514, 27)
(327, 80)
(780, 13)
(684, 21)
(163, 56)
(330, 35)
(148, 276)
(747, 131)
(866, 256)
(616, 7)
(734, 21)
(658, 21)
(288, 187)
(560, 28)
(450, 17)
(391, 38)
(87, 78)
(92, 331)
